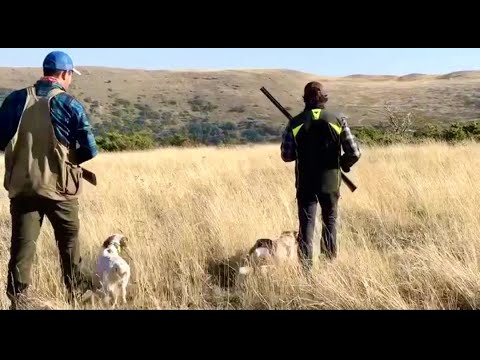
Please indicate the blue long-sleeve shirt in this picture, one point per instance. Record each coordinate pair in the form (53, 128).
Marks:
(70, 121)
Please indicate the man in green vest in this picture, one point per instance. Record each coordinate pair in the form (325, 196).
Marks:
(314, 139)
(45, 134)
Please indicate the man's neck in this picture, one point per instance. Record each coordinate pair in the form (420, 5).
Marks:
(315, 106)
(52, 80)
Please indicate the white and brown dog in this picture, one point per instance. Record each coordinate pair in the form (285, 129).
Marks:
(268, 252)
(112, 271)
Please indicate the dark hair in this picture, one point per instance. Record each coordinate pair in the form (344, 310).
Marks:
(314, 94)
(56, 73)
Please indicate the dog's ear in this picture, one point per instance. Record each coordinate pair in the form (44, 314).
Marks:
(108, 241)
(252, 249)
(258, 243)
(270, 244)
(266, 243)
(123, 242)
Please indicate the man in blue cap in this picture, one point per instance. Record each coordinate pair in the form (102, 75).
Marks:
(45, 134)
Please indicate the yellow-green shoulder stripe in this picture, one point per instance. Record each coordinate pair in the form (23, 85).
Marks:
(316, 116)
(296, 130)
(337, 128)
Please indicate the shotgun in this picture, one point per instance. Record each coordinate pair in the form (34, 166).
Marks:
(345, 179)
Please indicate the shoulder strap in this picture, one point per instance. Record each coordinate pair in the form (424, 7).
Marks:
(31, 91)
(54, 92)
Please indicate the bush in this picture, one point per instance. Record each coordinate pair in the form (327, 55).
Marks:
(369, 135)
(430, 131)
(117, 112)
(237, 109)
(252, 135)
(228, 126)
(178, 140)
(200, 105)
(205, 133)
(270, 130)
(115, 141)
(459, 132)
(456, 132)
(122, 102)
(132, 132)
(142, 107)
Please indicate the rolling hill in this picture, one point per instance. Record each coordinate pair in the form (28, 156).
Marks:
(166, 100)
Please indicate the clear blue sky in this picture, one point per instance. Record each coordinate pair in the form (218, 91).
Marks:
(334, 62)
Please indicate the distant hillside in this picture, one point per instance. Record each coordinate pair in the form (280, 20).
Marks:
(164, 101)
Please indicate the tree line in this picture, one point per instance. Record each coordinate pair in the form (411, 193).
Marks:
(228, 133)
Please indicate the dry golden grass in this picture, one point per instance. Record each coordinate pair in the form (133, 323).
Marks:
(408, 236)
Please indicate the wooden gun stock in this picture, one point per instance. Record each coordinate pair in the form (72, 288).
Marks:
(89, 176)
(345, 179)
(349, 183)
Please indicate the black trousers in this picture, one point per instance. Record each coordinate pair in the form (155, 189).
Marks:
(307, 209)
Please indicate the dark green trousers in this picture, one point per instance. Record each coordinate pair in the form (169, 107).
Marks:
(27, 216)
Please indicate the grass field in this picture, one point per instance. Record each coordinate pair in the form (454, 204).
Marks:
(408, 237)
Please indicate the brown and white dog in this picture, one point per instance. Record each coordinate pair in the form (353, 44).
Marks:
(112, 272)
(267, 252)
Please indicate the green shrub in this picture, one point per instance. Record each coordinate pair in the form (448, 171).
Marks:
(237, 109)
(252, 135)
(369, 135)
(456, 132)
(430, 131)
(200, 105)
(134, 132)
(122, 102)
(205, 133)
(228, 126)
(459, 132)
(178, 140)
(116, 141)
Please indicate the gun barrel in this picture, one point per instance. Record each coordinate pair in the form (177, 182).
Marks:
(276, 103)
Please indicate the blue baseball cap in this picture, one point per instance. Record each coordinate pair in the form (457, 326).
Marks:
(58, 60)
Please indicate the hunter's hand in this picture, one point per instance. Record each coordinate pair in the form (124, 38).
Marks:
(344, 166)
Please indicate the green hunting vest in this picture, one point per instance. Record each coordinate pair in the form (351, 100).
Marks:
(36, 163)
(317, 136)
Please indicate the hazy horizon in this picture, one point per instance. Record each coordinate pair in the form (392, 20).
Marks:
(327, 62)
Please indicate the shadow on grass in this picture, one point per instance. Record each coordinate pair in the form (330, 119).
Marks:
(223, 271)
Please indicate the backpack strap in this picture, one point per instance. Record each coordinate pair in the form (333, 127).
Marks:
(54, 92)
